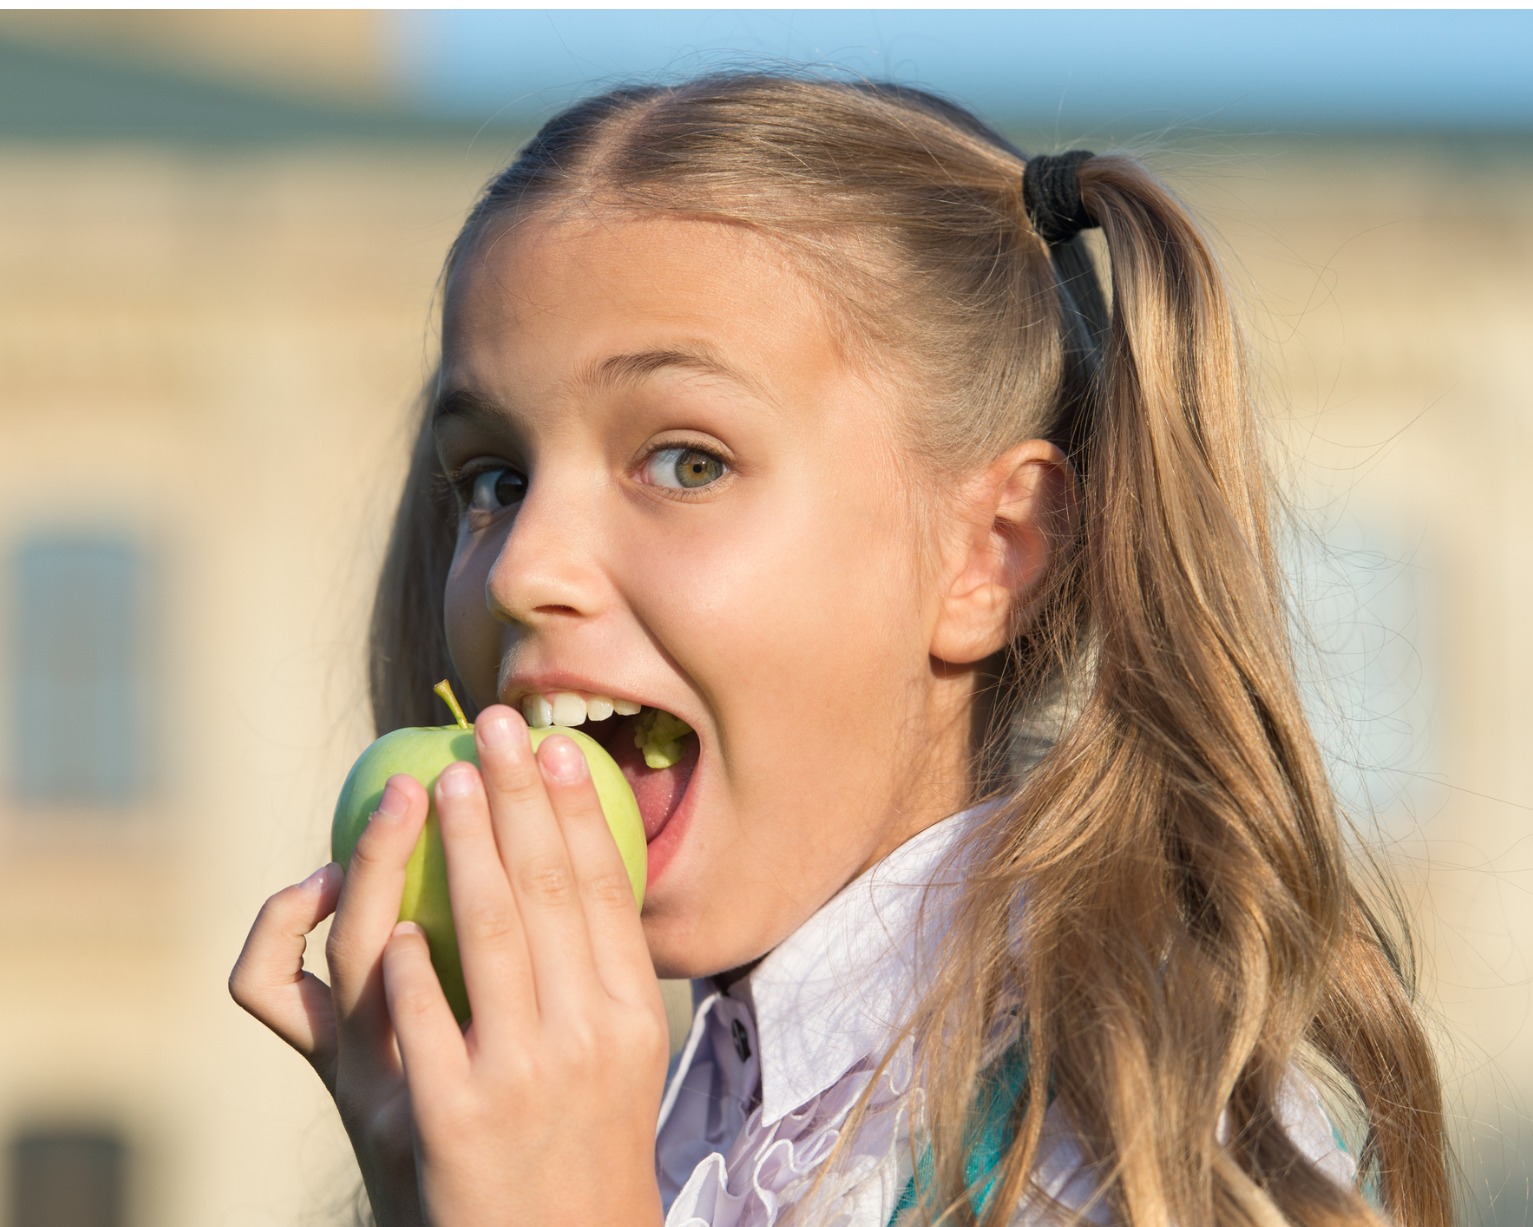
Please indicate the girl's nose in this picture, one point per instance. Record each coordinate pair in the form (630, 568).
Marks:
(547, 565)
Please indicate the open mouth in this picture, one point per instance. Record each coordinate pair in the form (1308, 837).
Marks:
(655, 750)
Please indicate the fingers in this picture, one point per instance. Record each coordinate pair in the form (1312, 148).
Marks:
(369, 908)
(618, 948)
(497, 970)
(268, 979)
(430, 1044)
(540, 868)
(534, 860)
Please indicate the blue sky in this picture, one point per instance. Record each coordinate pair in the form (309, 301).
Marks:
(1118, 71)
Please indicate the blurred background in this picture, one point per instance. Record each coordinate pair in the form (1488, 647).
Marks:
(220, 234)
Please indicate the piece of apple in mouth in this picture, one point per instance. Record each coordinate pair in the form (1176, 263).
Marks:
(655, 750)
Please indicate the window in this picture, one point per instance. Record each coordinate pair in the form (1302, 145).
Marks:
(79, 714)
(68, 1178)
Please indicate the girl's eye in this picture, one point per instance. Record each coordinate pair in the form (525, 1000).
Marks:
(684, 468)
(491, 490)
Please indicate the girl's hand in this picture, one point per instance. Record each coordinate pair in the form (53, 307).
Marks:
(543, 1110)
(343, 1029)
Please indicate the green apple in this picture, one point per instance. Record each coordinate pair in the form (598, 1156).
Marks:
(424, 753)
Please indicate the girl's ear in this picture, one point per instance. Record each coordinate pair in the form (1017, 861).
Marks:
(1014, 514)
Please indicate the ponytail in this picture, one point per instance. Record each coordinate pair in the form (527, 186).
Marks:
(1211, 933)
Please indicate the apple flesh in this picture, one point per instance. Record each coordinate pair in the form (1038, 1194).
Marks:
(424, 753)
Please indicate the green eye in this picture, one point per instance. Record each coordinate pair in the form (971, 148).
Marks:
(684, 468)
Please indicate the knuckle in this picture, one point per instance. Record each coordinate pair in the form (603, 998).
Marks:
(487, 919)
(547, 880)
(582, 1044)
(247, 984)
(271, 908)
(519, 1069)
(386, 1139)
(655, 1038)
(469, 1112)
(240, 986)
(647, 1028)
(370, 851)
(455, 1112)
(412, 1002)
(610, 890)
(639, 1032)
(340, 949)
(521, 787)
(579, 1053)
(274, 909)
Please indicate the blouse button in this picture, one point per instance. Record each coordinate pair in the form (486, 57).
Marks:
(742, 1041)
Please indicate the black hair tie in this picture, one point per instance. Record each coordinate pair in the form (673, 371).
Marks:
(1051, 195)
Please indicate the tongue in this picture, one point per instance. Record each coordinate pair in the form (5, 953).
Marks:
(659, 790)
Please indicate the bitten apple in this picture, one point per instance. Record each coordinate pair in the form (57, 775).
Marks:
(425, 753)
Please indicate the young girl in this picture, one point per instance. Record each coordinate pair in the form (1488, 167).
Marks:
(998, 853)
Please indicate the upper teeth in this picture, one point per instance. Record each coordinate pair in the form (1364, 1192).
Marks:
(566, 708)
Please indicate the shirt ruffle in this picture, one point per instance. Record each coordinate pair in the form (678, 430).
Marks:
(759, 1095)
(768, 1168)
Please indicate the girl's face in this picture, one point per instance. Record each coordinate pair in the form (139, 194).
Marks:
(675, 489)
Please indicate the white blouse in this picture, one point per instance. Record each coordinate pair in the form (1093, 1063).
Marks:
(757, 1096)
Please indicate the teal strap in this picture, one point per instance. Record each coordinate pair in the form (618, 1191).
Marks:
(1370, 1185)
(1000, 1087)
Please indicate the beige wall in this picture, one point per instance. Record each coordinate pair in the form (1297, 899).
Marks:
(220, 353)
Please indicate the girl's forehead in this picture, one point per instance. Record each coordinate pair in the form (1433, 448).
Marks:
(643, 255)
(546, 317)
(597, 282)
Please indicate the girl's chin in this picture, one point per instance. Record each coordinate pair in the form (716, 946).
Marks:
(676, 956)
(680, 959)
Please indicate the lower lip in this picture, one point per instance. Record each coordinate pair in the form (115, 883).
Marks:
(668, 838)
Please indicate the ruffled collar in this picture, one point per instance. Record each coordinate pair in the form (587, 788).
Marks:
(835, 990)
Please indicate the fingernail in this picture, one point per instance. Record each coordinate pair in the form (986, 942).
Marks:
(456, 780)
(497, 732)
(320, 878)
(392, 803)
(562, 760)
(407, 927)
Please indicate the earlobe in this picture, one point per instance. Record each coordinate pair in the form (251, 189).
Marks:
(1017, 513)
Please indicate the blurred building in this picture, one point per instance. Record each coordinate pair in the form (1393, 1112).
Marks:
(219, 243)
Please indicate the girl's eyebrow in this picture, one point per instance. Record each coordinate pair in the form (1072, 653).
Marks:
(463, 403)
(631, 368)
(605, 374)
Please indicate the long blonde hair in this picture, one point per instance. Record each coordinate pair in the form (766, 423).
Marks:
(1191, 928)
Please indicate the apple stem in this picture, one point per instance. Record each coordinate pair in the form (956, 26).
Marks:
(444, 688)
